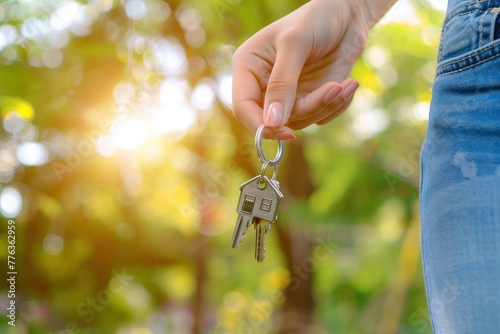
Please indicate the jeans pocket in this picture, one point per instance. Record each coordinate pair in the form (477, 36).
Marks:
(468, 31)
(470, 37)
(496, 32)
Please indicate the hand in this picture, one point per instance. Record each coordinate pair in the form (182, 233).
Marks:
(292, 73)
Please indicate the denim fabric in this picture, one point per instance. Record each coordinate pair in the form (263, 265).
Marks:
(460, 182)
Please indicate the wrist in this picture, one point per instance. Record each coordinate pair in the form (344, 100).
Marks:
(370, 11)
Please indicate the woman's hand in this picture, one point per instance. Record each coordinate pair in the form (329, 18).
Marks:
(292, 73)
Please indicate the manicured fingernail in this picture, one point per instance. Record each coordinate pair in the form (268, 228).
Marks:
(332, 94)
(285, 135)
(350, 90)
(274, 115)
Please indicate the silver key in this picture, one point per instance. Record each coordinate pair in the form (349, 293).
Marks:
(258, 205)
(242, 224)
(261, 229)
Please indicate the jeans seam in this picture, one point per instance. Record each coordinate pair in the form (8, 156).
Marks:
(440, 52)
(462, 14)
(481, 26)
(471, 65)
(447, 21)
(471, 55)
(455, 12)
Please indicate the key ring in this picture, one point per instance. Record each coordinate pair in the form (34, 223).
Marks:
(263, 170)
(260, 152)
(262, 183)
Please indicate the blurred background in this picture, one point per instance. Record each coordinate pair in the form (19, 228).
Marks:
(120, 164)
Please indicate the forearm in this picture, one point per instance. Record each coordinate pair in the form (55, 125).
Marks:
(364, 13)
(376, 9)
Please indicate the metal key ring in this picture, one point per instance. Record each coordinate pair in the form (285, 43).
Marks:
(263, 171)
(260, 152)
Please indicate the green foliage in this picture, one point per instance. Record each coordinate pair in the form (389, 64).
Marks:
(131, 175)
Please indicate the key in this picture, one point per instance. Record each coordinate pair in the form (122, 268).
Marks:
(242, 224)
(257, 205)
(261, 229)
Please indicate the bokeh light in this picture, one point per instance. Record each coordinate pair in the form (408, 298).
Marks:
(32, 154)
(173, 118)
(11, 202)
(130, 134)
(370, 122)
(13, 123)
(203, 96)
(53, 244)
(421, 111)
(106, 145)
(136, 9)
(8, 35)
(224, 85)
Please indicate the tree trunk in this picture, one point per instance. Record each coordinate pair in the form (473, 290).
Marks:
(297, 314)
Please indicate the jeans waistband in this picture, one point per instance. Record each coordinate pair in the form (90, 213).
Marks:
(458, 7)
(471, 34)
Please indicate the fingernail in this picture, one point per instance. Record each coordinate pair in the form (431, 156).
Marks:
(350, 90)
(274, 115)
(332, 94)
(286, 135)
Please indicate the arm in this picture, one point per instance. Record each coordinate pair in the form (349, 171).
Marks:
(377, 9)
(293, 73)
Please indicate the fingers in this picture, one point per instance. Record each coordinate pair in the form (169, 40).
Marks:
(278, 80)
(347, 96)
(291, 55)
(266, 86)
(252, 118)
(315, 102)
(336, 113)
(320, 106)
(321, 100)
(282, 132)
(246, 90)
(323, 105)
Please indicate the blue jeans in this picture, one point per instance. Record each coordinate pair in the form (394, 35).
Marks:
(460, 183)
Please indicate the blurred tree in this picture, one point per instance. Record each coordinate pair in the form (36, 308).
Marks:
(120, 162)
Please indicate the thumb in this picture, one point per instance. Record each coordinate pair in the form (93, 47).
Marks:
(282, 85)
